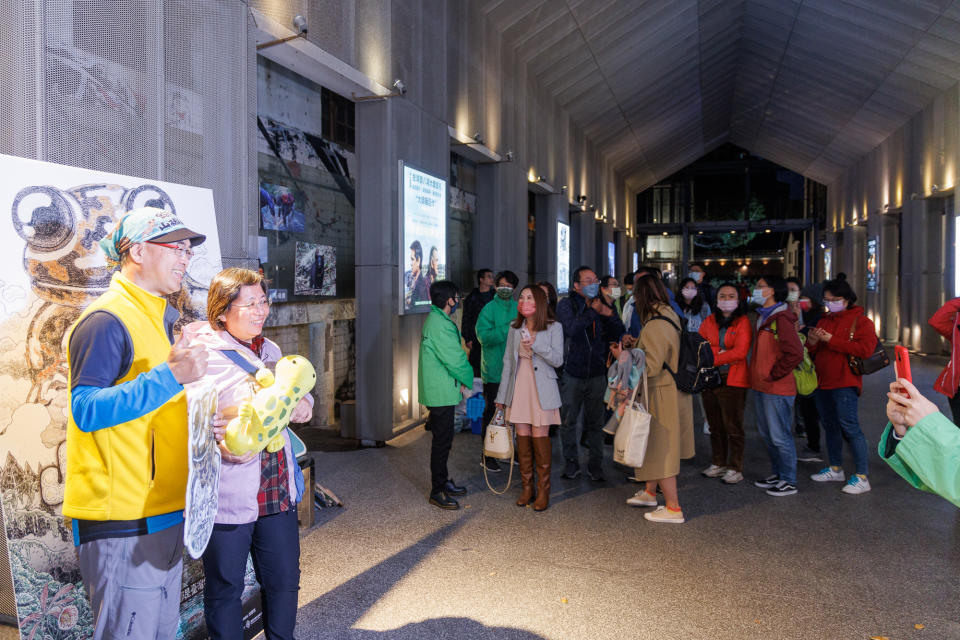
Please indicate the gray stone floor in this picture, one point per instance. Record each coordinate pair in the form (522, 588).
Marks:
(821, 564)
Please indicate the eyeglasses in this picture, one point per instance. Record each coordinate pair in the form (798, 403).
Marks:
(259, 304)
(181, 252)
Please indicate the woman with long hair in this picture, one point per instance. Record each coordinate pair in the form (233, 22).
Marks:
(433, 268)
(670, 437)
(729, 334)
(695, 308)
(529, 392)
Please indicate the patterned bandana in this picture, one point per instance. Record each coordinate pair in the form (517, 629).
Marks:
(141, 225)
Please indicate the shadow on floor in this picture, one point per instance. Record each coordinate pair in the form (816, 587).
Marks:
(333, 614)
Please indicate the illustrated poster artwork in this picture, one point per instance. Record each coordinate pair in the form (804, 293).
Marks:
(316, 270)
(51, 217)
(203, 479)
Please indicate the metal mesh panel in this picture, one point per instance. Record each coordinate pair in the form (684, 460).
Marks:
(208, 125)
(8, 601)
(18, 73)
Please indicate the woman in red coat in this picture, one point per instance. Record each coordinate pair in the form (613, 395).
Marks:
(843, 332)
(728, 331)
(947, 323)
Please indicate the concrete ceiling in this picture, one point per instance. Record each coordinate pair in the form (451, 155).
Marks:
(811, 84)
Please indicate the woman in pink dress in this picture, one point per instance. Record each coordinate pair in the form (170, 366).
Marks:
(529, 391)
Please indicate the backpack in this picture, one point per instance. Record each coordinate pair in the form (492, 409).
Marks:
(695, 368)
(805, 374)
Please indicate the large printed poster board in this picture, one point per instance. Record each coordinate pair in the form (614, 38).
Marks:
(563, 257)
(423, 237)
(51, 217)
(873, 263)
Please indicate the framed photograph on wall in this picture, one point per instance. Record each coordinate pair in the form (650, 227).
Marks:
(423, 237)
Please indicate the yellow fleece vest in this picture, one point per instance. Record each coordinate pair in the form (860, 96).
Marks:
(139, 468)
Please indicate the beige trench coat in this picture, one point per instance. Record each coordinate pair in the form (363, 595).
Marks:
(671, 428)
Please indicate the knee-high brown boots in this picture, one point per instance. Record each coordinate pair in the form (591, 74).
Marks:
(542, 449)
(525, 460)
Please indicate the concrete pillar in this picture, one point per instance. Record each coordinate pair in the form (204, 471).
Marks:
(501, 227)
(550, 209)
(889, 283)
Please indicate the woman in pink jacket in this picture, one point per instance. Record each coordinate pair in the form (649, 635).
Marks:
(257, 511)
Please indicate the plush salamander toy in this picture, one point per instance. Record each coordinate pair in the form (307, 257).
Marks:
(261, 420)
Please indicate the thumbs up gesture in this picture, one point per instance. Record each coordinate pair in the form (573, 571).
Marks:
(188, 363)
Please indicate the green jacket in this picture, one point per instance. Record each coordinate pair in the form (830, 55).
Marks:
(492, 328)
(928, 457)
(443, 362)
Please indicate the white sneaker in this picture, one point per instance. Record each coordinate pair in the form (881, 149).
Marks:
(713, 471)
(706, 427)
(662, 514)
(856, 485)
(642, 499)
(828, 474)
(731, 476)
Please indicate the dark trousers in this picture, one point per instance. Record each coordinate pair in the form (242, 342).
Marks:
(474, 358)
(274, 543)
(585, 394)
(955, 407)
(440, 424)
(807, 406)
(724, 409)
(490, 391)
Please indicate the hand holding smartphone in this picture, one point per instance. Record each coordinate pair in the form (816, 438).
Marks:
(901, 366)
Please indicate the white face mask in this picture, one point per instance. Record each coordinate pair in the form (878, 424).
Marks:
(615, 292)
(793, 296)
(688, 293)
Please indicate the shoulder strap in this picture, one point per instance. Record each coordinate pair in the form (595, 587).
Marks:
(853, 328)
(672, 323)
(240, 361)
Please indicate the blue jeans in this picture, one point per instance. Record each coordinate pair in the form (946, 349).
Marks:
(775, 420)
(838, 414)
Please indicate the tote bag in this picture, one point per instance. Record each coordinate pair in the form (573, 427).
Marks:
(499, 441)
(630, 442)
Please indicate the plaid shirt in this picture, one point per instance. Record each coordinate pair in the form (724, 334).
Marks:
(274, 494)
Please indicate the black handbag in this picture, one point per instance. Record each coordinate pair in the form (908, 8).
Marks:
(865, 366)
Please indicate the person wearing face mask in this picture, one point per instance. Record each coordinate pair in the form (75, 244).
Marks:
(728, 331)
(844, 331)
(610, 293)
(493, 324)
(695, 310)
(776, 353)
(946, 321)
(627, 292)
(793, 299)
(589, 326)
(529, 393)
(698, 274)
(806, 406)
(472, 305)
(443, 374)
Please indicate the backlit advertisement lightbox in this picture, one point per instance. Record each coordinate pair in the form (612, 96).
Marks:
(612, 259)
(636, 261)
(423, 237)
(873, 264)
(563, 257)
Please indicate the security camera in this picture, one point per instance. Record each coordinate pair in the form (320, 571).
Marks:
(399, 86)
(509, 156)
(300, 24)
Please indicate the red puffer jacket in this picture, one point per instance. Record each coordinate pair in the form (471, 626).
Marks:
(777, 351)
(737, 341)
(830, 358)
(945, 321)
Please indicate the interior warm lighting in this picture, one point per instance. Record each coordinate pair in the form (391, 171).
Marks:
(767, 230)
(532, 175)
(733, 232)
(404, 396)
(664, 233)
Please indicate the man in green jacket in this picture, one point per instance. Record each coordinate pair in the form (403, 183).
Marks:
(920, 443)
(444, 373)
(493, 324)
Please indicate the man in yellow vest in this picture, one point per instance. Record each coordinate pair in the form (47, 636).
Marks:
(127, 432)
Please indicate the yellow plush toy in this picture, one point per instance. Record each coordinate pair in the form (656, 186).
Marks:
(261, 420)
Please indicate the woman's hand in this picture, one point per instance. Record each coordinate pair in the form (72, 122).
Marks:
(219, 427)
(616, 349)
(524, 350)
(628, 341)
(500, 406)
(821, 334)
(907, 411)
(302, 412)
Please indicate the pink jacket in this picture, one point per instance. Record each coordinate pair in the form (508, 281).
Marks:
(239, 483)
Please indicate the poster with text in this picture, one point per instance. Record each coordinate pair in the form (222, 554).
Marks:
(316, 270)
(50, 270)
(612, 259)
(636, 261)
(873, 265)
(827, 264)
(563, 257)
(423, 247)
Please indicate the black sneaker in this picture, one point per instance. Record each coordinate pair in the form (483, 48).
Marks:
(809, 455)
(768, 482)
(596, 475)
(782, 488)
(571, 470)
(492, 465)
(442, 500)
(452, 489)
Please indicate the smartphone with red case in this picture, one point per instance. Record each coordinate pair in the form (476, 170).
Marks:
(901, 365)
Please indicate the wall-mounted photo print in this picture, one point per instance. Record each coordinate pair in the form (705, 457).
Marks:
(315, 272)
(279, 208)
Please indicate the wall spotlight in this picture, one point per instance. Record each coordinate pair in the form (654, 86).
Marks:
(478, 138)
(823, 245)
(934, 188)
(300, 24)
(400, 87)
(508, 157)
(582, 199)
(886, 207)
